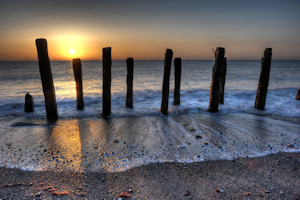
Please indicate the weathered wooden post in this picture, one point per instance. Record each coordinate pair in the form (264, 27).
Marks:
(106, 95)
(46, 77)
(129, 81)
(177, 72)
(223, 77)
(215, 81)
(263, 83)
(78, 79)
(166, 81)
(298, 95)
(29, 105)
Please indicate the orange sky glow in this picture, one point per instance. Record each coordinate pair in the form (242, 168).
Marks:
(144, 31)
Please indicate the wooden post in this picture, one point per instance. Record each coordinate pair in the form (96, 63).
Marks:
(166, 81)
(46, 77)
(263, 83)
(298, 95)
(106, 95)
(223, 77)
(129, 81)
(78, 80)
(177, 72)
(215, 81)
(29, 105)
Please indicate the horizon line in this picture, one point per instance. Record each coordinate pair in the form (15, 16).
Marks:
(147, 60)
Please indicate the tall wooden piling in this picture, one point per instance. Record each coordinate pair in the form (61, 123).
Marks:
(106, 95)
(263, 83)
(166, 81)
(215, 81)
(298, 95)
(177, 73)
(129, 81)
(46, 77)
(223, 77)
(78, 79)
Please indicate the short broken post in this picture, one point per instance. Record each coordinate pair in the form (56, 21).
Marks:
(177, 72)
(46, 77)
(263, 83)
(223, 77)
(215, 81)
(298, 95)
(106, 93)
(78, 79)
(166, 81)
(129, 81)
(29, 105)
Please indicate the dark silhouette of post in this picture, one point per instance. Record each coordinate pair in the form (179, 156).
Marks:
(177, 73)
(129, 81)
(298, 95)
(106, 95)
(29, 104)
(78, 79)
(215, 81)
(166, 81)
(263, 83)
(46, 77)
(223, 77)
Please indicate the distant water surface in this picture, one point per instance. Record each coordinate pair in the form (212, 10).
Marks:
(18, 78)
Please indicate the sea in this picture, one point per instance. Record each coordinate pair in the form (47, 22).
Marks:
(83, 140)
(19, 78)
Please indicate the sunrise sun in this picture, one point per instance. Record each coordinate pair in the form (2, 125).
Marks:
(72, 51)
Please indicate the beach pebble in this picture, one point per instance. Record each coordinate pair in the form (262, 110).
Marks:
(219, 190)
(290, 146)
(281, 192)
(187, 193)
(181, 146)
(198, 137)
(193, 130)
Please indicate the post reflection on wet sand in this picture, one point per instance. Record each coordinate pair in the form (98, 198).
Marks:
(64, 145)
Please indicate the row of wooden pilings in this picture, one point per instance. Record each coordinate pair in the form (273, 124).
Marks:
(216, 88)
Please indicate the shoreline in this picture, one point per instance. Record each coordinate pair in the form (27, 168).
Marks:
(118, 144)
(273, 176)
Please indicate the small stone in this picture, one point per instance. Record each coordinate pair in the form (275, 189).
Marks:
(219, 190)
(38, 194)
(187, 193)
(281, 192)
(198, 137)
(181, 146)
(290, 146)
(116, 141)
(193, 130)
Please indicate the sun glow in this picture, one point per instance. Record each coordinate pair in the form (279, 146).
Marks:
(72, 51)
(66, 45)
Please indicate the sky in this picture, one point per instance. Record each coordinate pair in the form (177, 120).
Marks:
(144, 29)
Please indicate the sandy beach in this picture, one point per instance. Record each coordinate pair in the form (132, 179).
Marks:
(270, 177)
(196, 156)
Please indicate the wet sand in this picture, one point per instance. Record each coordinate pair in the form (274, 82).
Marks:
(118, 144)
